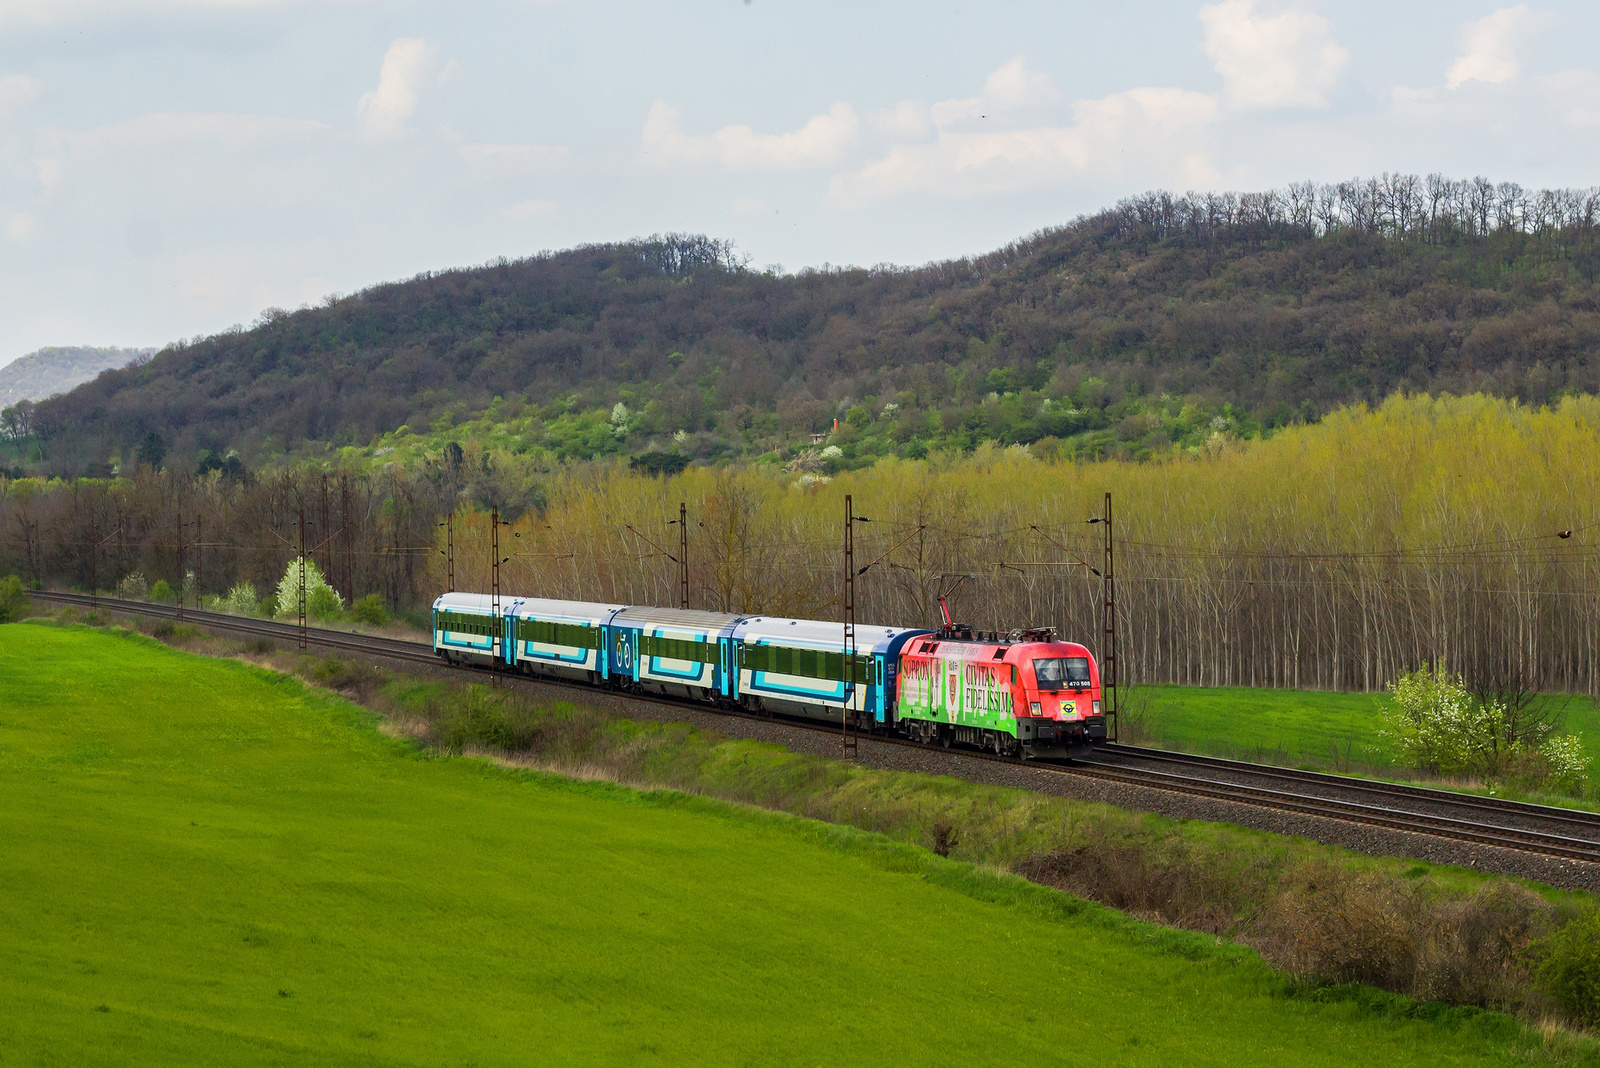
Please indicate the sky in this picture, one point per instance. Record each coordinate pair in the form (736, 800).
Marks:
(170, 168)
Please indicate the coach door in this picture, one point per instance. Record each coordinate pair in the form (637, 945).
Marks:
(624, 653)
(727, 670)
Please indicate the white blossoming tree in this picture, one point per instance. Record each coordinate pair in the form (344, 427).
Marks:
(322, 600)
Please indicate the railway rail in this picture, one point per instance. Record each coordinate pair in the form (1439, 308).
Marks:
(1530, 828)
(1576, 822)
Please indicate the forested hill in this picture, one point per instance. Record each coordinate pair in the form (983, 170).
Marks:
(1128, 330)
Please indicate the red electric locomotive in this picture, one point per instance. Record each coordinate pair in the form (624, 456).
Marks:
(1023, 693)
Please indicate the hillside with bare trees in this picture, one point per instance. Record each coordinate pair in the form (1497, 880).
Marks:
(1125, 333)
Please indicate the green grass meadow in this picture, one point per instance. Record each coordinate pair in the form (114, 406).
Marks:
(205, 863)
(1333, 731)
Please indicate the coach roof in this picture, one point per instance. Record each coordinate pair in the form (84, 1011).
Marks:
(477, 603)
(549, 608)
(813, 633)
(682, 618)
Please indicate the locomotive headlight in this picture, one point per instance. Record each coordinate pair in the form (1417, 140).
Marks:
(1033, 707)
(1096, 706)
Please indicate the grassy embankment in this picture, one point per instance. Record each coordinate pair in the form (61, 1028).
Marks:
(206, 862)
(1300, 728)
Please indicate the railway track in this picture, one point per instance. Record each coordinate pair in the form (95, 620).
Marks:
(1575, 822)
(1539, 829)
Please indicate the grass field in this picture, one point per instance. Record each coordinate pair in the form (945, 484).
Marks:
(1336, 731)
(207, 863)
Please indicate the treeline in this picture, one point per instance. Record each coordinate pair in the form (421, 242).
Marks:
(204, 535)
(1333, 556)
(1432, 209)
(1329, 557)
(1268, 309)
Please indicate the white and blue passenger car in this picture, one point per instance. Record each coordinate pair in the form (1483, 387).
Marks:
(562, 638)
(798, 666)
(677, 651)
(466, 630)
(795, 666)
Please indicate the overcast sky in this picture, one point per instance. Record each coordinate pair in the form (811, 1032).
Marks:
(171, 167)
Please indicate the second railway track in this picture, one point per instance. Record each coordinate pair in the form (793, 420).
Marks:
(1538, 829)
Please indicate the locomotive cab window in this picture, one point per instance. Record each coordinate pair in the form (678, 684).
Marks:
(1064, 672)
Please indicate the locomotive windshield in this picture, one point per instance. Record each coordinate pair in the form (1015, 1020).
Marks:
(1059, 672)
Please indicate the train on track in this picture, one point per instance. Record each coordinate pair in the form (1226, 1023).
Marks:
(1018, 694)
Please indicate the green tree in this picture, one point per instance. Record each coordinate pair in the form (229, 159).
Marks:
(324, 603)
(152, 450)
(14, 602)
(241, 600)
(1439, 726)
(369, 609)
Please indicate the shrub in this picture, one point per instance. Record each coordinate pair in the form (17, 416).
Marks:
(288, 593)
(479, 718)
(369, 609)
(1332, 923)
(1567, 968)
(269, 606)
(241, 600)
(1569, 764)
(161, 591)
(355, 677)
(133, 587)
(14, 602)
(322, 602)
(1472, 951)
(1437, 725)
(1176, 880)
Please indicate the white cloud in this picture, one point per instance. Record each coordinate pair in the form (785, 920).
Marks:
(1272, 61)
(1523, 115)
(1015, 86)
(909, 120)
(406, 66)
(821, 141)
(16, 90)
(1147, 134)
(1490, 46)
(1010, 88)
(20, 227)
